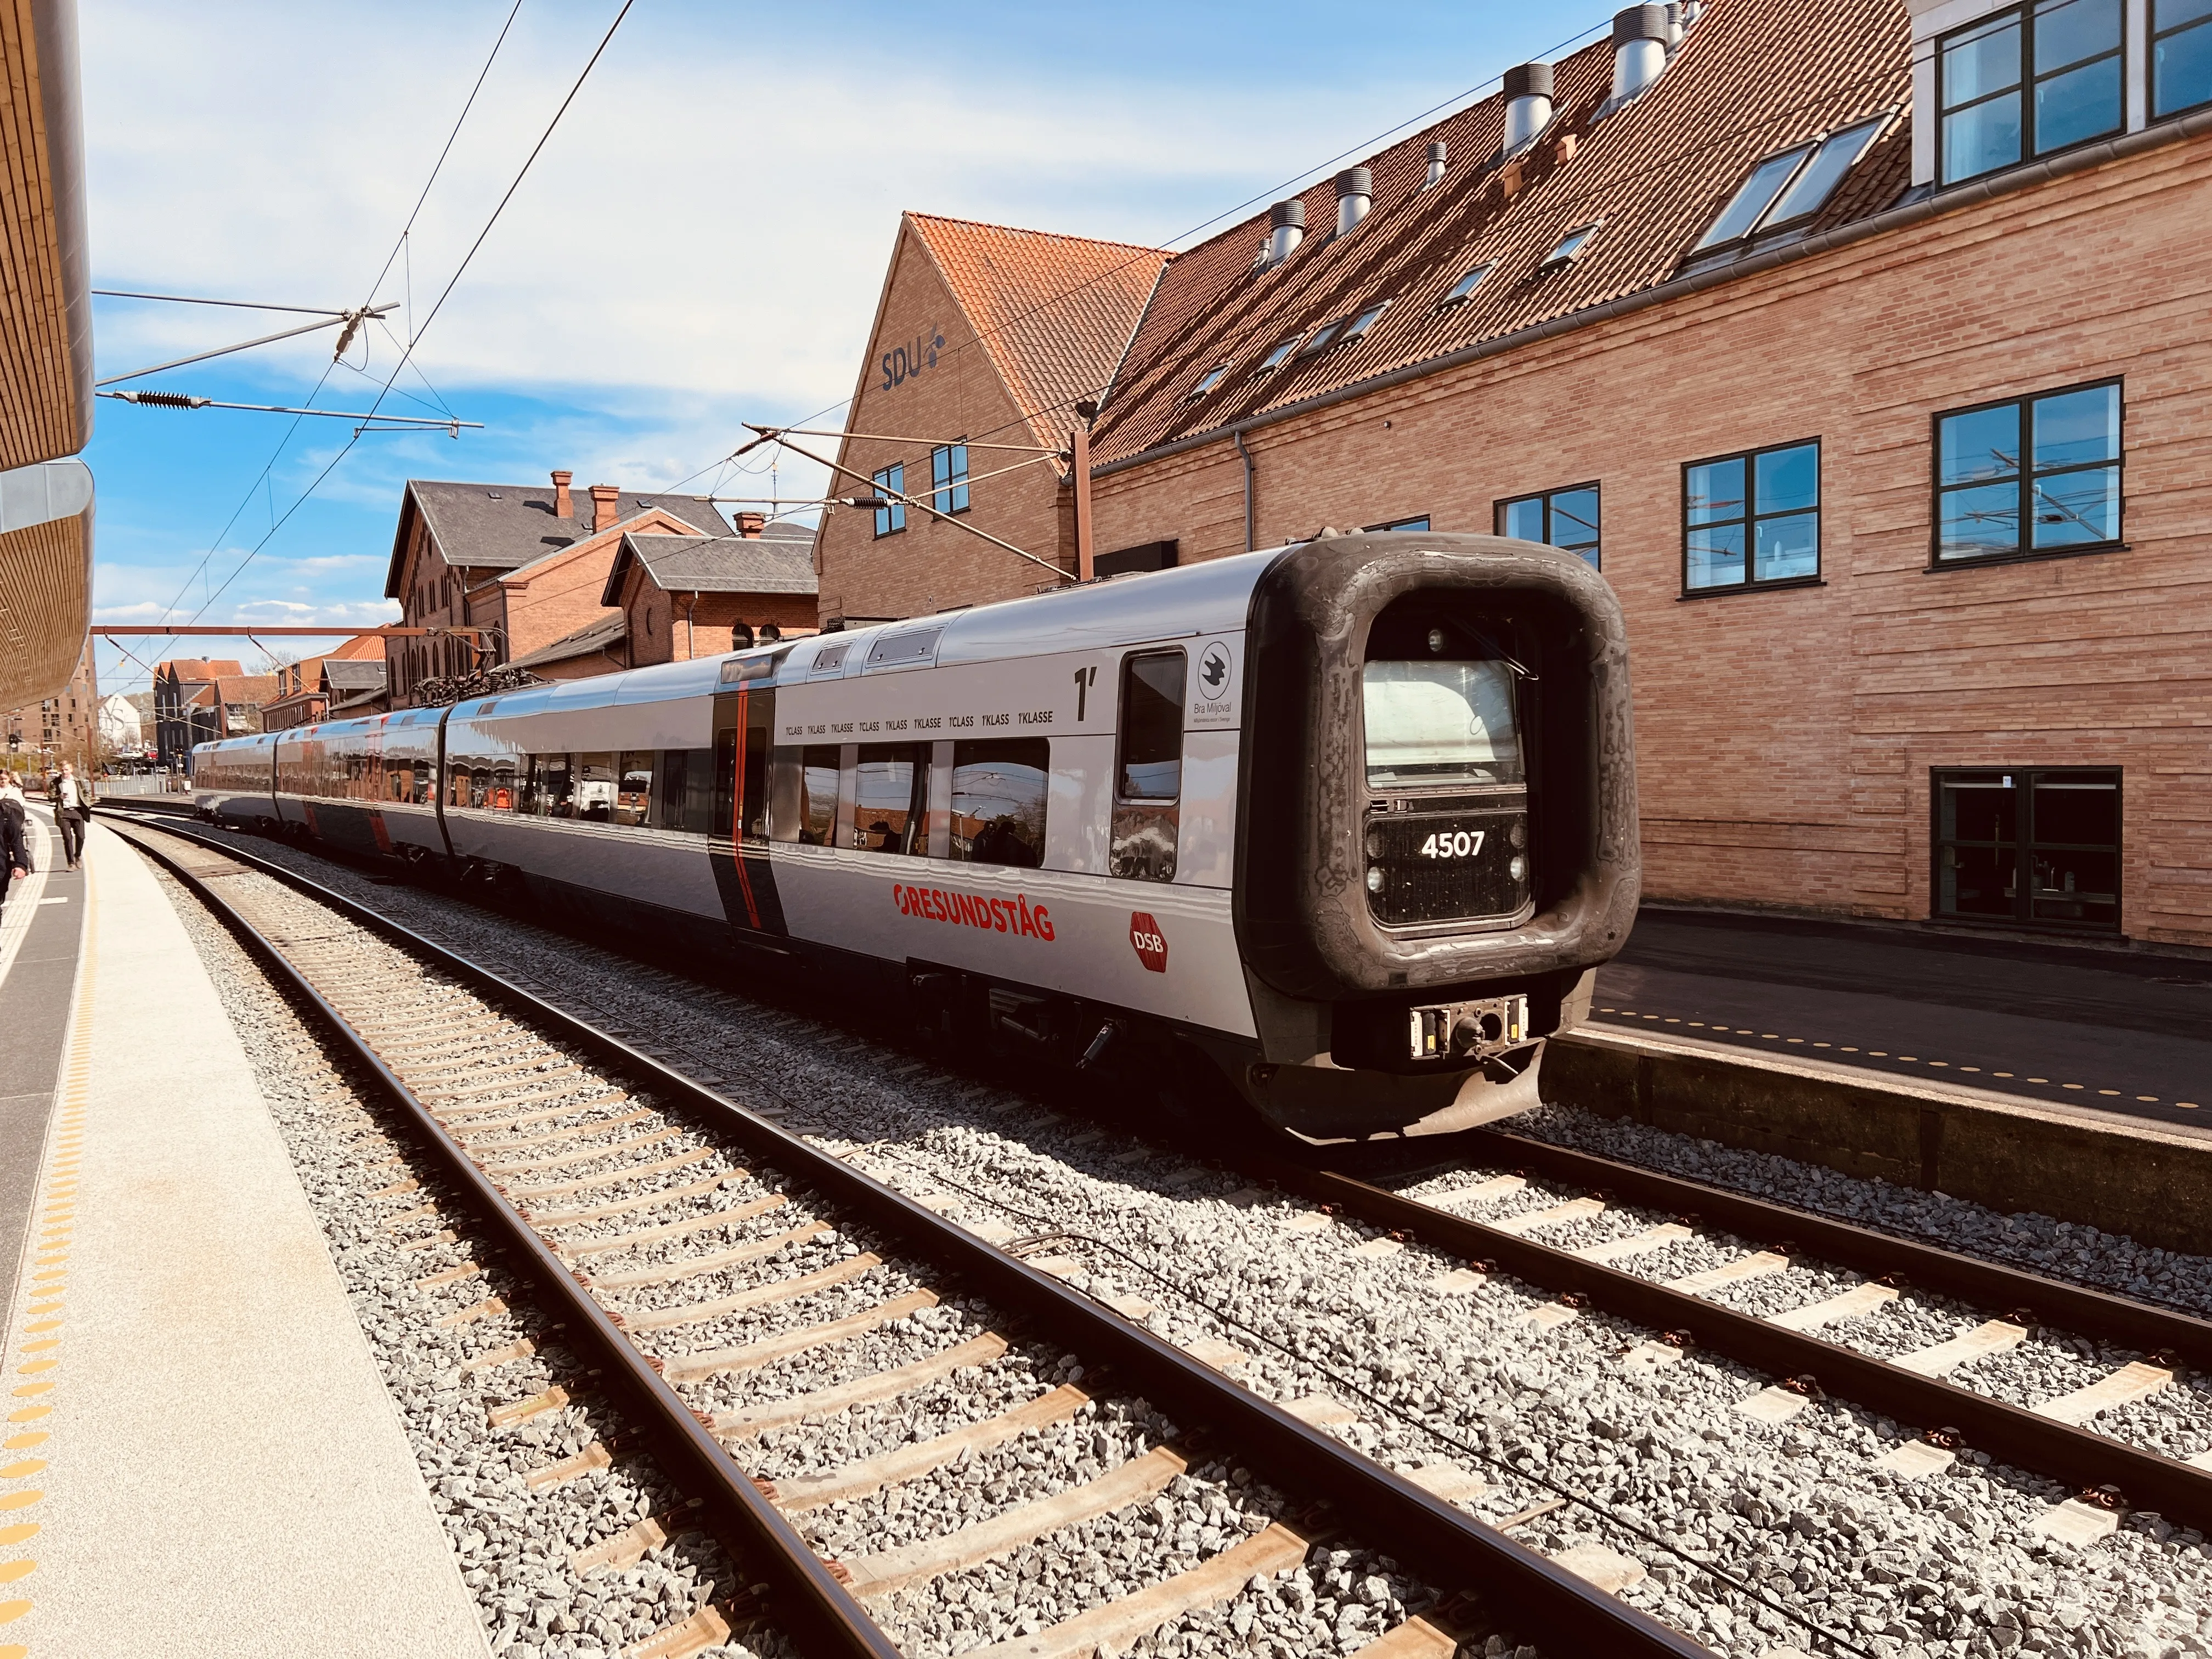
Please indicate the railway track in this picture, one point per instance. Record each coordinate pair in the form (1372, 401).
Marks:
(704, 1258)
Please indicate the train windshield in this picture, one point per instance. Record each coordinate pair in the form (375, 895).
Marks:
(1448, 723)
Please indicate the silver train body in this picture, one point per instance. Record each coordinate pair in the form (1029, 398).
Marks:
(1353, 820)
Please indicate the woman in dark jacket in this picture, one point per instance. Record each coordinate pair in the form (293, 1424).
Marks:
(14, 843)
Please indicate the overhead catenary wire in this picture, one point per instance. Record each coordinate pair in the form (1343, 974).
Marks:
(444, 294)
(268, 466)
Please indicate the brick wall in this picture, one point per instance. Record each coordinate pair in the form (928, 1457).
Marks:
(930, 565)
(675, 628)
(1784, 738)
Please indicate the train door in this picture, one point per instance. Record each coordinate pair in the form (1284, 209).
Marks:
(745, 736)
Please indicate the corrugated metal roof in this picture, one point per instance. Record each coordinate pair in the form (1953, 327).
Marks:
(1752, 77)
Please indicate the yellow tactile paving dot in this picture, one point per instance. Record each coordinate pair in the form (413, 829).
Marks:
(33, 1352)
(1879, 1054)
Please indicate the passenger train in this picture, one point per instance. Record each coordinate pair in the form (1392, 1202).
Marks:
(1353, 819)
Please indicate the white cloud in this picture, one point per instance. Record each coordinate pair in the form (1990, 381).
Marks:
(702, 223)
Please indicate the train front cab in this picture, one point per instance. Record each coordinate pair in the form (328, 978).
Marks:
(1436, 829)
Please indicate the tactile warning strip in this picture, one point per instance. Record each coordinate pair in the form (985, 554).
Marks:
(34, 1357)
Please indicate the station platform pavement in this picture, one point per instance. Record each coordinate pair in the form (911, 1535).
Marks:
(196, 1454)
(2112, 1031)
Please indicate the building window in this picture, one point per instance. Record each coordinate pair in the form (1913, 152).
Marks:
(2029, 81)
(948, 477)
(1792, 186)
(1563, 518)
(1465, 286)
(891, 517)
(2038, 848)
(1570, 248)
(2180, 56)
(1322, 338)
(1366, 320)
(1276, 358)
(1752, 520)
(1211, 379)
(2029, 475)
(1417, 524)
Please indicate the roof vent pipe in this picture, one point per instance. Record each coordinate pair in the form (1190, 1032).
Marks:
(1286, 228)
(1436, 153)
(1528, 105)
(1355, 194)
(1640, 35)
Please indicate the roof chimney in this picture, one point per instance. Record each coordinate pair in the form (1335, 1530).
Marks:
(1286, 228)
(1355, 194)
(1640, 38)
(564, 505)
(750, 525)
(1436, 153)
(606, 506)
(1528, 105)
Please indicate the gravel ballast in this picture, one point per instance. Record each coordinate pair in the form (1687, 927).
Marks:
(1755, 1535)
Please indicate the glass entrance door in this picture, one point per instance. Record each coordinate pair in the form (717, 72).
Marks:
(2037, 847)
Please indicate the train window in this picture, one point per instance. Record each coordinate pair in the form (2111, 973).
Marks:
(758, 751)
(888, 794)
(633, 786)
(1440, 722)
(595, 786)
(553, 786)
(999, 791)
(686, 780)
(817, 794)
(1150, 767)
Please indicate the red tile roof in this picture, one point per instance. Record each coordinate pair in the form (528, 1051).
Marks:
(195, 670)
(1054, 313)
(1751, 77)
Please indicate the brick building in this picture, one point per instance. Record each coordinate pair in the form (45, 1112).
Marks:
(984, 339)
(65, 726)
(1857, 344)
(185, 704)
(524, 563)
(304, 693)
(682, 596)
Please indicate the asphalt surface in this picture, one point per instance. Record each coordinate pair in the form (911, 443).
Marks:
(35, 990)
(2127, 1033)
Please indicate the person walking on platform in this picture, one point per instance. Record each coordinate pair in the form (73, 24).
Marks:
(15, 838)
(72, 811)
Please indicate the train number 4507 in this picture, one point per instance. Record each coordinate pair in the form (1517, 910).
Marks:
(1453, 844)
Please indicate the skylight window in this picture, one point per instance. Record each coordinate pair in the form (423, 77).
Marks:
(1322, 338)
(1792, 186)
(1466, 285)
(1210, 380)
(1281, 354)
(1570, 247)
(1366, 320)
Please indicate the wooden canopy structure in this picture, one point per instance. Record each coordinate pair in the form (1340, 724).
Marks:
(45, 355)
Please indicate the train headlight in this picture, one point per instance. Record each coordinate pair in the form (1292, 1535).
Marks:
(1518, 868)
(1374, 878)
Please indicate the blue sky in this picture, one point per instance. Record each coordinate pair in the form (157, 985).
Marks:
(700, 245)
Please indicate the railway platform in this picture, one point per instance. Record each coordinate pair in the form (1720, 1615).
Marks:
(198, 1456)
(2108, 1030)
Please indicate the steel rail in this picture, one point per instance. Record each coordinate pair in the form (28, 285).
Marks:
(2079, 1457)
(804, 1596)
(2079, 1309)
(1441, 1543)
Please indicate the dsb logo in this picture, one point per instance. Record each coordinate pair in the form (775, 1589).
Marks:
(1151, 944)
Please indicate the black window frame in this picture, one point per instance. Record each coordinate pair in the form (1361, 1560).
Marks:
(2023, 844)
(2031, 76)
(948, 477)
(1751, 517)
(1498, 509)
(2159, 36)
(890, 518)
(2026, 552)
(1123, 715)
(1418, 523)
